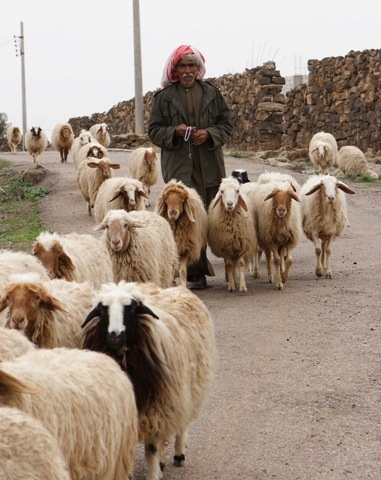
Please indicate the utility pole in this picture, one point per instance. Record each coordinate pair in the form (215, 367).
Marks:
(139, 106)
(22, 55)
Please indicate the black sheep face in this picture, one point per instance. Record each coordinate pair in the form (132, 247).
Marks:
(240, 175)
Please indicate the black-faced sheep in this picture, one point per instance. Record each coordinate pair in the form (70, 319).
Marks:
(101, 133)
(24, 447)
(231, 233)
(74, 257)
(84, 400)
(14, 137)
(322, 151)
(324, 216)
(143, 166)
(241, 175)
(89, 150)
(91, 173)
(62, 140)
(352, 160)
(36, 142)
(50, 313)
(184, 209)
(164, 340)
(276, 210)
(141, 246)
(83, 138)
(119, 193)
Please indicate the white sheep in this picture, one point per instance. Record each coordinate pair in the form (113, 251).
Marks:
(231, 233)
(91, 173)
(14, 137)
(28, 451)
(324, 216)
(101, 132)
(164, 340)
(13, 343)
(84, 400)
(352, 160)
(276, 210)
(50, 313)
(83, 138)
(19, 262)
(141, 246)
(322, 151)
(78, 257)
(36, 142)
(62, 139)
(92, 149)
(143, 165)
(119, 193)
(184, 209)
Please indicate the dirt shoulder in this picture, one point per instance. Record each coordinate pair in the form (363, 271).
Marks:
(297, 393)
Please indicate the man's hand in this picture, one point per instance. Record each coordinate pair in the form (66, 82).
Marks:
(199, 137)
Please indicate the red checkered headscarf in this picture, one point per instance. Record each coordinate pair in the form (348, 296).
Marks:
(170, 76)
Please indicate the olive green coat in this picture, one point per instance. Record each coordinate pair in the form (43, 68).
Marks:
(168, 112)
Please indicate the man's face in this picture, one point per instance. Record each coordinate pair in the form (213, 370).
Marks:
(186, 70)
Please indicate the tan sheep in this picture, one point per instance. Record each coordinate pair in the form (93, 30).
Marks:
(84, 400)
(50, 313)
(352, 160)
(101, 133)
(28, 451)
(322, 151)
(83, 138)
(14, 137)
(78, 257)
(119, 193)
(143, 165)
(184, 209)
(62, 140)
(91, 173)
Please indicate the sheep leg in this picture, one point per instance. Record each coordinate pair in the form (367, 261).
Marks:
(183, 271)
(327, 258)
(288, 263)
(152, 456)
(241, 269)
(230, 272)
(179, 457)
(318, 252)
(278, 261)
(256, 259)
(89, 208)
(269, 267)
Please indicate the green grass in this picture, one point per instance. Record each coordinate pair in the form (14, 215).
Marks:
(19, 210)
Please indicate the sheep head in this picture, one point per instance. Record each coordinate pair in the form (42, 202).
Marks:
(150, 158)
(130, 193)
(174, 201)
(25, 299)
(230, 194)
(95, 151)
(119, 225)
(328, 186)
(282, 198)
(104, 167)
(54, 258)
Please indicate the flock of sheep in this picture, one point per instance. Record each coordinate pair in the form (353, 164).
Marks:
(102, 345)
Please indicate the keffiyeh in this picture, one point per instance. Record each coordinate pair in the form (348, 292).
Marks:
(170, 76)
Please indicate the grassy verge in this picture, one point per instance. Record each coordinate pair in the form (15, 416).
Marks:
(19, 210)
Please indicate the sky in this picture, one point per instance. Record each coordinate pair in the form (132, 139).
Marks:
(79, 54)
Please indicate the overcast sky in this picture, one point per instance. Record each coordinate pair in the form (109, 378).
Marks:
(79, 54)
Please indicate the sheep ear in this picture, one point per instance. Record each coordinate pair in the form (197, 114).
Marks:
(217, 199)
(160, 206)
(9, 383)
(93, 314)
(270, 195)
(189, 210)
(66, 262)
(242, 203)
(49, 302)
(116, 166)
(143, 310)
(92, 164)
(345, 188)
(3, 303)
(142, 193)
(294, 196)
(314, 189)
(99, 227)
(117, 195)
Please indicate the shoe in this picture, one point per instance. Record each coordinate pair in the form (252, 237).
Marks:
(198, 282)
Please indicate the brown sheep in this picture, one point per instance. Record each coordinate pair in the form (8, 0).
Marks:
(62, 139)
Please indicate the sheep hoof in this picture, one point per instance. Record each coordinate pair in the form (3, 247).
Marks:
(178, 460)
(319, 273)
(162, 466)
(243, 290)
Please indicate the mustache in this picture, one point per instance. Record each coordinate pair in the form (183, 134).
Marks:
(185, 75)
